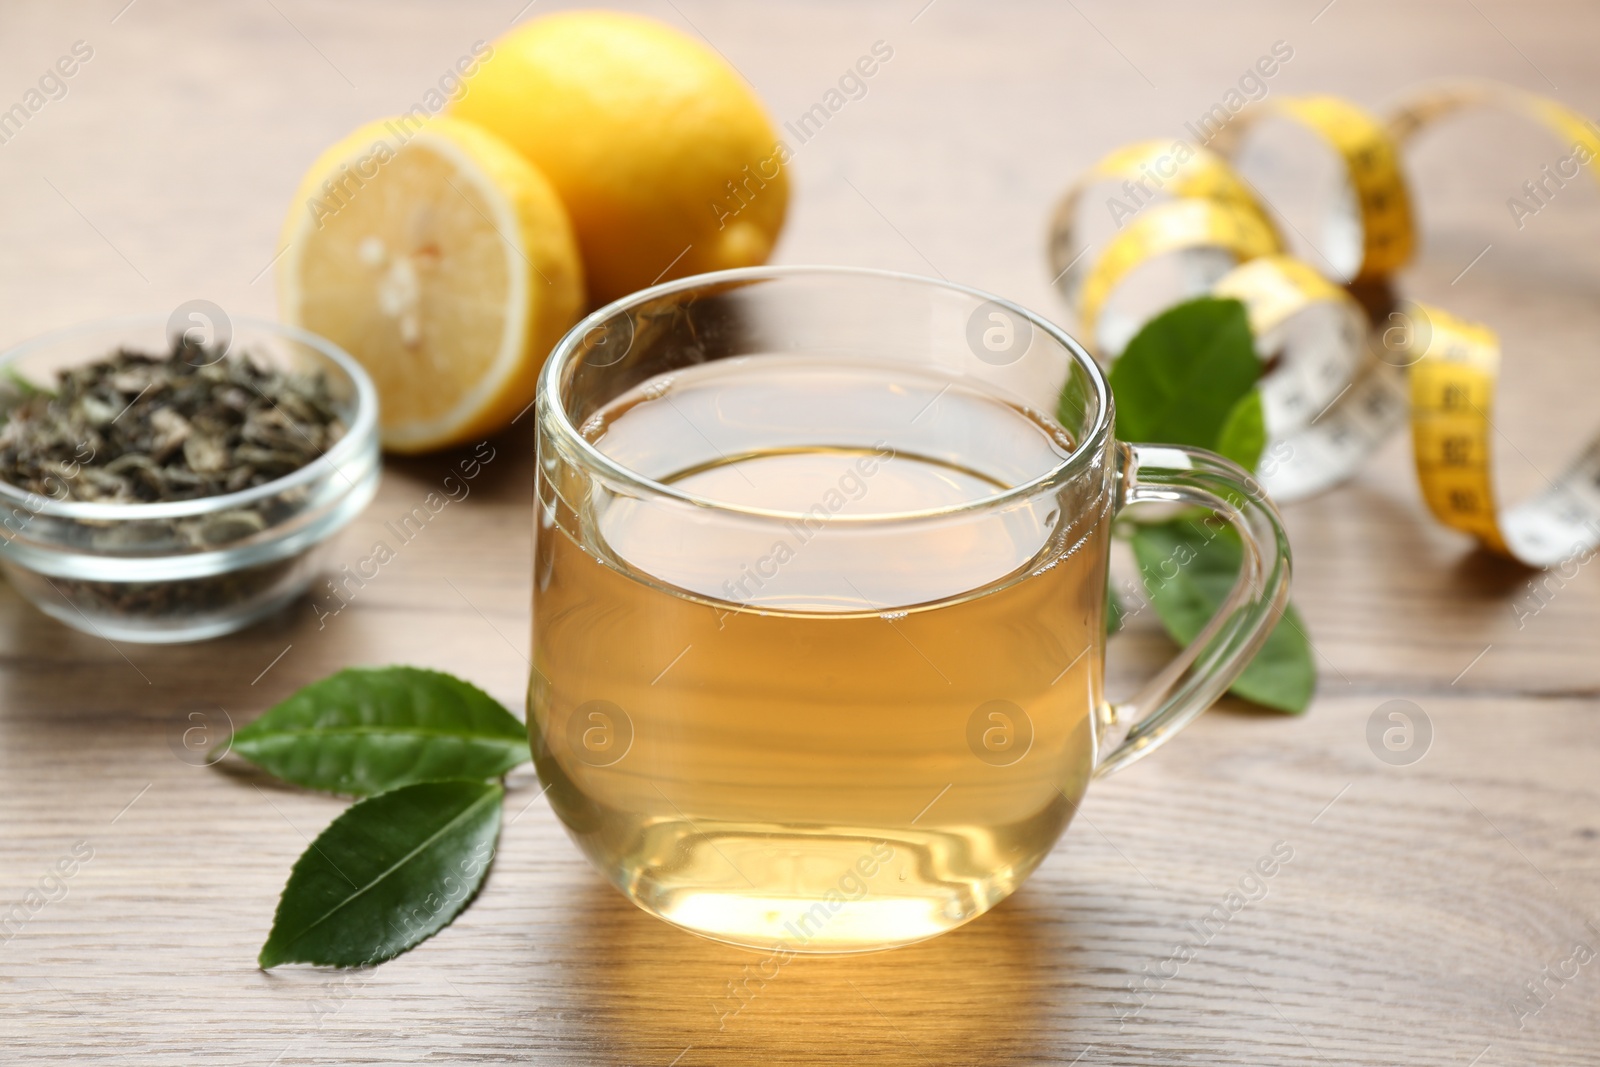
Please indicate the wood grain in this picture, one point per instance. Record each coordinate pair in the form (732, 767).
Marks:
(1418, 899)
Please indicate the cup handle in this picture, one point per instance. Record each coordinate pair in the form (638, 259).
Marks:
(1202, 672)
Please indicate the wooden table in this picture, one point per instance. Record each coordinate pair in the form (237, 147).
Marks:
(1419, 899)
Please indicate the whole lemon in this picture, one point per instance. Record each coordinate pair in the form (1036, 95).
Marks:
(665, 159)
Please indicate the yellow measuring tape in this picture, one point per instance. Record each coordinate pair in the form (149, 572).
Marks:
(1179, 226)
(1135, 176)
(1370, 228)
(1433, 102)
(1327, 400)
(1458, 366)
(1336, 389)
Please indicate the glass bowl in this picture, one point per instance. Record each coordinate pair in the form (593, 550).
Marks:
(191, 569)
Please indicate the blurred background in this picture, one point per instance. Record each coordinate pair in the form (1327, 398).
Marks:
(164, 172)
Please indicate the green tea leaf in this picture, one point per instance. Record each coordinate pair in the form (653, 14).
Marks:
(1189, 569)
(1244, 432)
(366, 731)
(1181, 376)
(390, 872)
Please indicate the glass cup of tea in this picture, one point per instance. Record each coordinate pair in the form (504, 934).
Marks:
(820, 566)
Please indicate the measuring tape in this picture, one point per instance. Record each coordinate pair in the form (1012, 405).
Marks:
(1342, 379)
(1457, 368)
(1434, 102)
(1211, 236)
(1452, 396)
(1140, 174)
(1369, 229)
(1327, 400)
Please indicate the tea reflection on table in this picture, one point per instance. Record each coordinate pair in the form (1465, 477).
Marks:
(997, 990)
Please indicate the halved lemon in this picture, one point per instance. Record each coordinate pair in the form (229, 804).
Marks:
(444, 262)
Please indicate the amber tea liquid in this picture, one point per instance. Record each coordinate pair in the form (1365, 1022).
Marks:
(811, 724)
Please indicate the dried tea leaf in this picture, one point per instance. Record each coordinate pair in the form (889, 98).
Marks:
(137, 428)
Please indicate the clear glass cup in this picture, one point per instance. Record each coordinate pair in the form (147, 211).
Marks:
(819, 600)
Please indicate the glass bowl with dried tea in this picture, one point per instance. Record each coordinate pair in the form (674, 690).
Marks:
(156, 488)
